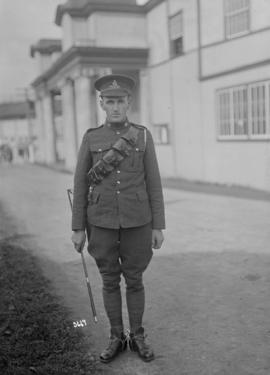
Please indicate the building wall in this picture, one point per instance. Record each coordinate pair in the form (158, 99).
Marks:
(97, 30)
(160, 113)
(172, 91)
(236, 53)
(245, 162)
(188, 105)
(189, 9)
(43, 62)
(175, 91)
(79, 29)
(212, 21)
(67, 32)
(212, 17)
(260, 10)
(74, 31)
(187, 117)
(128, 30)
(176, 101)
(157, 34)
(158, 28)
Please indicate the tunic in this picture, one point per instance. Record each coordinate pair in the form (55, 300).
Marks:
(130, 196)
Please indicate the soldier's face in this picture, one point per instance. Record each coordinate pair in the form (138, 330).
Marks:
(115, 107)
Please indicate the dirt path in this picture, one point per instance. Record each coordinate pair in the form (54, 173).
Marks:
(207, 290)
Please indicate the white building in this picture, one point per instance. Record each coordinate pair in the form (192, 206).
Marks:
(203, 72)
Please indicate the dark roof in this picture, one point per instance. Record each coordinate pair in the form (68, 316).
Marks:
(83, 8)
(46, 46)
(16, 110)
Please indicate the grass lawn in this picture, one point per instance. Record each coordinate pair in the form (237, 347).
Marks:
(36, 333)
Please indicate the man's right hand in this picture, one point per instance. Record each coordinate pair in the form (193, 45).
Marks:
(78, 238)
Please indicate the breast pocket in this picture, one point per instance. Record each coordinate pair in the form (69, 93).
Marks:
(138, 157)
(98, 150)
(134, 161)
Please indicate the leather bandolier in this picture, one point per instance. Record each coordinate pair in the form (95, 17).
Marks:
(119, 150)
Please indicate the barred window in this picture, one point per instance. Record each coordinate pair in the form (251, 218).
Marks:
(244, 111)
(176, 34)
(258, 109)
(224, 113)
(236, 17)
(161, 134)
(240, 114)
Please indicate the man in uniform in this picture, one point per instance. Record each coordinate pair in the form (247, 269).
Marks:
(118, 200)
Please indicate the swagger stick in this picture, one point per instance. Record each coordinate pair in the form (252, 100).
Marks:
(69, 192)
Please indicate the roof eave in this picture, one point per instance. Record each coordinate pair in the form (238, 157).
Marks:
(89, 8)
(46, 46)
(152, 4)
(94, 56)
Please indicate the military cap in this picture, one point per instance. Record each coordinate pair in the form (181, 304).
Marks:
(115, 85)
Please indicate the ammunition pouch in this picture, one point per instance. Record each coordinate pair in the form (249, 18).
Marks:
(120, 150)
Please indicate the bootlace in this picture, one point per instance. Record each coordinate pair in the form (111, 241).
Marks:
(140, 340)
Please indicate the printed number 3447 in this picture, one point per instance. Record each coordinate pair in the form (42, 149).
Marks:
(79, 323)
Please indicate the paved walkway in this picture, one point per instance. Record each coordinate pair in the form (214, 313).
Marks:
(207, 288)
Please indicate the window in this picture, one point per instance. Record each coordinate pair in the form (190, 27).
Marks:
(161, 134)
(244, 111)
(236, 17)
(224, 113)
(240, 114)
(176, 34)
(258, 108)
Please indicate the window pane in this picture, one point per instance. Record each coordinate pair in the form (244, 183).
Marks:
(235, 5)
(236, 16)
(176, 34)
(240, 113)
(161, 134)
(244, 110)
(177, 46)
(258, 109)
(224, 113)
(176, 26)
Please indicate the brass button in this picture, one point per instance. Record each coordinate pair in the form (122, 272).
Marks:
(118, 182)
(137, 149)
(117, 132)
(118, 172)
(99, 150)
(118, 192)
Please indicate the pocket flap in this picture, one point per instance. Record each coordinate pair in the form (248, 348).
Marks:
(100, 147)
(142, 195)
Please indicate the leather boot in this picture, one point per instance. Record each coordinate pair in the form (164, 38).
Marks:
(137, 344)
(116, 345)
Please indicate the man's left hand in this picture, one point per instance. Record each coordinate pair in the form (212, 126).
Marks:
(157, 238)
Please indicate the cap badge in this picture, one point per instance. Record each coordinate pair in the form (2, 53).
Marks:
(114, 85)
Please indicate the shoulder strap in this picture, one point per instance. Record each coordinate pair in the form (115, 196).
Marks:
(145, 138)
